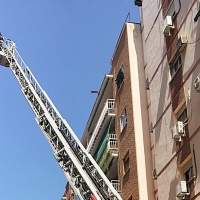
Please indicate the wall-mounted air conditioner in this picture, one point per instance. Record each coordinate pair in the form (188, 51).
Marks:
(168, 25)
(178, 131)
(182, 42)
(181, 189)
(197, 83)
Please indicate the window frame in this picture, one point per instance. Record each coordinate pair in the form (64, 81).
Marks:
(126, 163)
(171, 10)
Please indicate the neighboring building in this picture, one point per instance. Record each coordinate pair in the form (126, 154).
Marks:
(171, 67)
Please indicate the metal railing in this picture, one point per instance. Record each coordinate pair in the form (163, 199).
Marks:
(116, 184)
(112, 141)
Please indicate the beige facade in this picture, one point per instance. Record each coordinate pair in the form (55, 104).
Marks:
(134, 139)
(171, 69)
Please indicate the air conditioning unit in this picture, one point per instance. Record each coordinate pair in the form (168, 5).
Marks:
(181, 189)
(154, 174)
(197, 83)
(178, 131)
(182, 42)
(168, 25)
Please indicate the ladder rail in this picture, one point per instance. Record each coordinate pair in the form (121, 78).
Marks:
(59, 134)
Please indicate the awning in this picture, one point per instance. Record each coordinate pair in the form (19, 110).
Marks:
(103, 143)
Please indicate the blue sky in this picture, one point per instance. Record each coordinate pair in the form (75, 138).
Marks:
(68, 45)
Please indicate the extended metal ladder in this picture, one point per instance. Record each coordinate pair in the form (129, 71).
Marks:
(82, 172)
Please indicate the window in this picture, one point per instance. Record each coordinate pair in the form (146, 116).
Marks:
(120, 77)
(123, 120)
(126, 162)
(130, 198)
(171, 11)
(188, 171)
(182, 114)
(175, 65)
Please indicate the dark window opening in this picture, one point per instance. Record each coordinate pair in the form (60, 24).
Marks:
(175, 65)
(126, 162)
(120, 77)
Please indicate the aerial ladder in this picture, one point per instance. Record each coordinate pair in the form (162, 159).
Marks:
(82, 172)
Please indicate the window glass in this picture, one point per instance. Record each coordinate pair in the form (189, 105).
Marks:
(123, 120)
(171, 10)
(182, 114)
(188, 171)
(126, 163)
(175, 64)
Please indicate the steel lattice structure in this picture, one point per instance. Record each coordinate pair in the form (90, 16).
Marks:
(82, 172)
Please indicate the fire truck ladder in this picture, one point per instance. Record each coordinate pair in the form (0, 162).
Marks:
(83, 173)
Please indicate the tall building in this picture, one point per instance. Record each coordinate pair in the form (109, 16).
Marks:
(171, 32)
(117, 133)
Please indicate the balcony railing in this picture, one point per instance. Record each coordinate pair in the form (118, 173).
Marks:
(116, 185)
(109, 108)
(112, 141)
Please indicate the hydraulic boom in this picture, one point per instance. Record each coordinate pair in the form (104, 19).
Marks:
(79, 167)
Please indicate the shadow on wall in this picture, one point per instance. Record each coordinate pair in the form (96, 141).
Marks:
(162, 98)
(172, 190)
(194, 94)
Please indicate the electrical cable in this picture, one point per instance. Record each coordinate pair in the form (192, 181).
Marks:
(193, 42)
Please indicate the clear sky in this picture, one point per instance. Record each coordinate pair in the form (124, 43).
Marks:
(68, 45)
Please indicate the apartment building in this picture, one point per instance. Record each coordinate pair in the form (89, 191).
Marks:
(117, 132)
(170, 33)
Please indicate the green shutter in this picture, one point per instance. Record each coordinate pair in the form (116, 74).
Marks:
(103, 143)
(120, 77)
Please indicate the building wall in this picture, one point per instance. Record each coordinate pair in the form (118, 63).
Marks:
(126, 139)
(68, 195)
(132, 97)
(169, 93)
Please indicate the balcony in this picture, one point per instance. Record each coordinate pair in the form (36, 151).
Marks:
(106, 114)
(107, 147)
